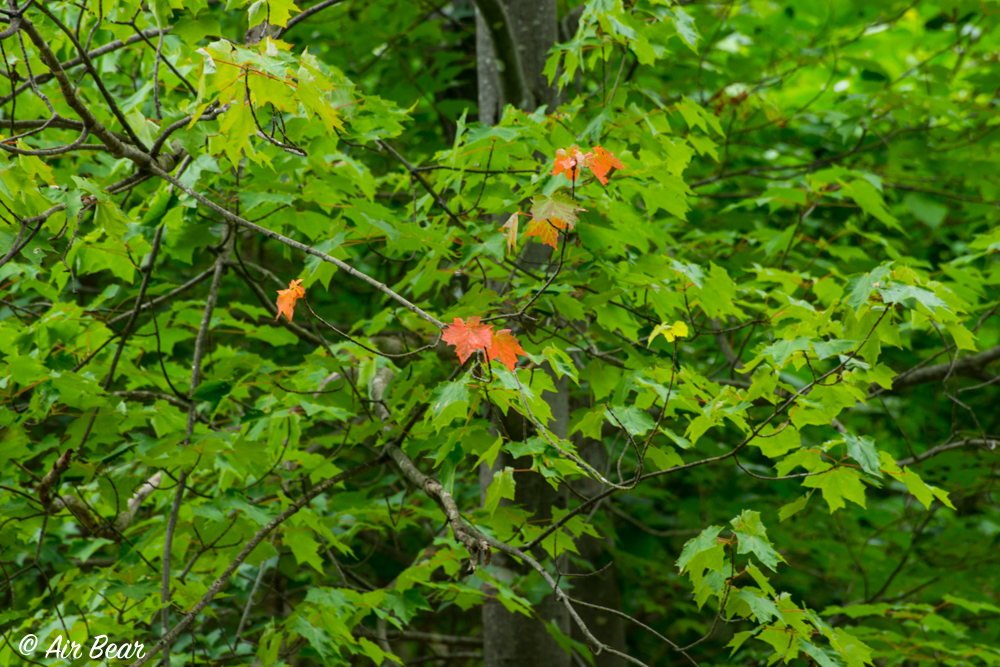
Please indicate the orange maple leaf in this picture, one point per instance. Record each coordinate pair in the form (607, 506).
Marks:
(600, 162)
(288, 297)
(468, 336)
(569, 160)
(506, 348)
(546, 230)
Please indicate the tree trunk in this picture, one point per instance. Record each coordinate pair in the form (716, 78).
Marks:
(597, 589)
(535, 29)
(511, 639)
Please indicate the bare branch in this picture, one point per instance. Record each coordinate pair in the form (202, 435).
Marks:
(115, 145)
(306, 13)
(971, 365)
(989, 445)
(75, 62)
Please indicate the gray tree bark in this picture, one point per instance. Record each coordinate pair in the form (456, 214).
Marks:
(600, 589)
(511, 639)
(535, 29)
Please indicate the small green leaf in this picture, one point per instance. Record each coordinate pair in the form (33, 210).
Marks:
(635, 421)
(753, 539)
(827, 349)
(925, 210)
(501, 487)
(837, 485)
(778, 441)
(739, 638)
(920, 490)
(782, 350)
(449, 393)
(316, 637)
(690, 271)
(790, 509)
(213, 391)
(901, 293)
(860, 287)
(665, 458)
(763, 609)
(869, 199)
(133, 591)
(821, 656)
(706, 540)
(304, 547)
(863, 451)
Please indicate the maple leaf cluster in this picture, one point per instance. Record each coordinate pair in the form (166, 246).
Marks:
(471, 335)
(288, 297)
(549, 215)
(599, 161)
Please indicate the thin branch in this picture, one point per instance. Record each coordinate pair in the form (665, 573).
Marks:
(382, 287)
(306, 13)
(108, 97)
(989, 445)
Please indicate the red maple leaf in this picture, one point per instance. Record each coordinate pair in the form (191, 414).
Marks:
(569, 161)
(467, 337)
(601, 162)
(288, 297)
(506, 348)
(546, 230)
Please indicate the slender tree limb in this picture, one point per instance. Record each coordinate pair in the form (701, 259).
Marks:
(139, 395)
(108, 97)
(167, 546)
(306, 13)
(970, 365)
(108, 530)
(417, 636)
(126, 332)
(253, 592)
(75, 62)
(199, 353)
(989, 445)
(20, 242)
(115, 145)
(211, 113)
(201, 340)
(51, 479)
(164, 298)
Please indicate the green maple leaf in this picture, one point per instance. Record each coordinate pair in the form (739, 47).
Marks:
(558, 207)
(837, 485)
(752, 536)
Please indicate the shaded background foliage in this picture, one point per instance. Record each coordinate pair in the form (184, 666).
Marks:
(810, 187)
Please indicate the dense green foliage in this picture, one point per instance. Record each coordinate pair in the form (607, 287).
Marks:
(799, 466)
